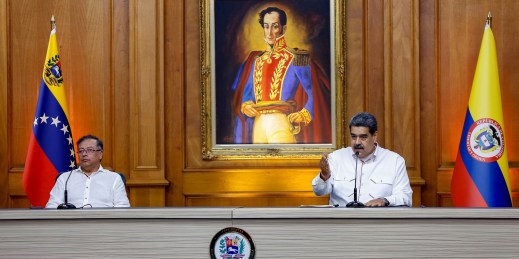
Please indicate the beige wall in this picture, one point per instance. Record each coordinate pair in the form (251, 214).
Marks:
(132, 72)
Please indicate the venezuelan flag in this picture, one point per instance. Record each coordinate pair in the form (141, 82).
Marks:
(51, 147)
(480, 177)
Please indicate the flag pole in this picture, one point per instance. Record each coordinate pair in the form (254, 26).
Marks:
(52, 23)
(489, 19)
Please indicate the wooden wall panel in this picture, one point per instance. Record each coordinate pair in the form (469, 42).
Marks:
(254, 199)
(356, 72)
(174, 101)
(401, 93)
(146, 87)
(401, 88)
(147, 103)
(428, 98)
(120, 81)
(4, 120)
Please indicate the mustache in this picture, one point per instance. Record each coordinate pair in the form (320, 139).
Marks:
(358, 146)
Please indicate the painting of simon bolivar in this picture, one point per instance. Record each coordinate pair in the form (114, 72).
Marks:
(272, 72)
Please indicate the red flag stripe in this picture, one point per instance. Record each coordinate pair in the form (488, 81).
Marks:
(39, 175)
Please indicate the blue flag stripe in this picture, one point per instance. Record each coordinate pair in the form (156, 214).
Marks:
(488, 177)
(51, 137)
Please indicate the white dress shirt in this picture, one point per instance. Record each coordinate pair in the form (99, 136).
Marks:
(103, 188)
(383, 174)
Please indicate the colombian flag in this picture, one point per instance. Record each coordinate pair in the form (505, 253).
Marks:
(480, 177)
(51, 147)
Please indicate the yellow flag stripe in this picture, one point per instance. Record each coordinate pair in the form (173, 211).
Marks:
(57, 91)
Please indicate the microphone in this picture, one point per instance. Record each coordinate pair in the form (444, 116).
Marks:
(66, 205)
(355, 203)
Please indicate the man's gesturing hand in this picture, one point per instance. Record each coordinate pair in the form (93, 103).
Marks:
(325, 167)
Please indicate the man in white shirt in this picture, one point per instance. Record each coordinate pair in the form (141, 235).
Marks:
(90, 185)
(382, 178)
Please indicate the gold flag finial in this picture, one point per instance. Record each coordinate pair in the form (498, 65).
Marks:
(489, 19)
(52, 23)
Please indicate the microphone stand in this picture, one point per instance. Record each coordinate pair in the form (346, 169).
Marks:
(355, 203)
(66, 205)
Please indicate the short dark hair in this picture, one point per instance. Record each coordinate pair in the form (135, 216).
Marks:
(364, 119)
(270, 9)
(99, 142)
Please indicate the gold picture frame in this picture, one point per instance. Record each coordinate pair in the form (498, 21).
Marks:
(223, 25)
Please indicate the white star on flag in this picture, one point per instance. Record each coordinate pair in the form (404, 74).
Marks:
(64, 129)
(44, 118)
(72, 152)
(55, 121)
(35, 121)
(72, 164)
(69, 140)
